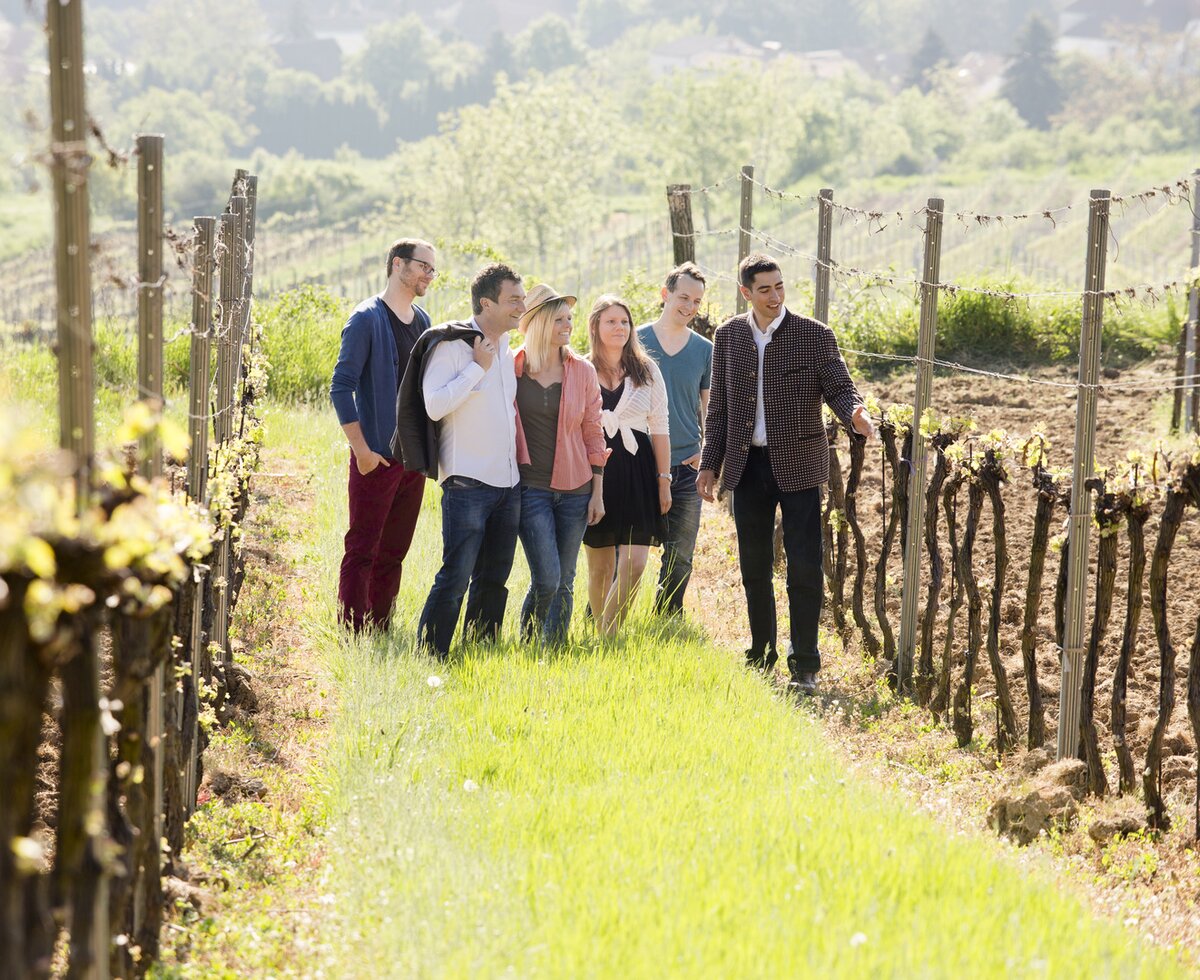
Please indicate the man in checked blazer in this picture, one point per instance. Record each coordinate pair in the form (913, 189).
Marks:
(763, 433)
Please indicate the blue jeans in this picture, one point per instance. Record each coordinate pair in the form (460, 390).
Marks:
(479, 539)
(552, 526)
(682, 525)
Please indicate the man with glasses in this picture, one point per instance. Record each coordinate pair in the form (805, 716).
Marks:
(385, 499)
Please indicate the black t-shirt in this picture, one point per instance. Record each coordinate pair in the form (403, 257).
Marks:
(406, 335)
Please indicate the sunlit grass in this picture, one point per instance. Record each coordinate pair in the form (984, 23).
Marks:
(642, 808)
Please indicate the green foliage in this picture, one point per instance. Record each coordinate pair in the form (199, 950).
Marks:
(984, 329)
(546, 44)
(302, 331)
(1031, 80)
(928, 58)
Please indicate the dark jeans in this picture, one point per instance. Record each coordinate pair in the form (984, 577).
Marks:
(754, 503)
(384, 506)
(479, 539)
(552, 526)
(682, 523)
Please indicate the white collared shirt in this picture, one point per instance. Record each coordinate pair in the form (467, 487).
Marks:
(476, 410)
(761, 339)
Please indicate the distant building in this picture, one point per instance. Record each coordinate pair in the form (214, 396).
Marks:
(705, 52)
(1094, 27)
(982, 72)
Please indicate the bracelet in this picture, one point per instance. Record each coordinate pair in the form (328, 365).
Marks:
(665, 476)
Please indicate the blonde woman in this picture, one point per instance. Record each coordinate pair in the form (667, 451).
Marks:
(561, 460)
(637, 484)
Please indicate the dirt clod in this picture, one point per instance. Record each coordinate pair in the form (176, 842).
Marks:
(1125, 816)
(1023, 818)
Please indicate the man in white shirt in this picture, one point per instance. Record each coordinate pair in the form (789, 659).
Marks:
(470, 392)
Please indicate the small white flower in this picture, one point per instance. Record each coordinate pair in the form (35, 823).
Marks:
(470, 786)
(434, 681)
(858, 939)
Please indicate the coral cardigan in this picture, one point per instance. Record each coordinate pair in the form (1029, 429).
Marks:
(580, 442)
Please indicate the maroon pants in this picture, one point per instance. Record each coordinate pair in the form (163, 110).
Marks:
(384, 506)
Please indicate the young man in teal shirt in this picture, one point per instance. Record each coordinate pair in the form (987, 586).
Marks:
(685, 359)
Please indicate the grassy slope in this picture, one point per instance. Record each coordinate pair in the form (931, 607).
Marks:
(638, 809)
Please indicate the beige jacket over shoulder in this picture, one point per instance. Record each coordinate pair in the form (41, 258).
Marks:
(642, 408)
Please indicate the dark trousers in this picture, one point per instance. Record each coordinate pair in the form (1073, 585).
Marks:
(754, 502)
(479, 539)
(682, 525)
(384, 506)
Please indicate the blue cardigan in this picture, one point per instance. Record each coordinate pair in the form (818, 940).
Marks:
(366, 377)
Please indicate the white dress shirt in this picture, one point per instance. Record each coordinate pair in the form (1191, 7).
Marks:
(477, 412)
(761, 339)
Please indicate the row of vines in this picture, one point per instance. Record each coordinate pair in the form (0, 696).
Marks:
(963, 611)
(115, 661)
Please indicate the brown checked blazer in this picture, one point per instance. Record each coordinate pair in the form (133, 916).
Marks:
(801, 366)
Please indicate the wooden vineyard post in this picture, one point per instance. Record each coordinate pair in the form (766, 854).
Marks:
(1192, 330)
(745, 223)
(150, 390)
(80, 881)
(1070, 690)
(198, 422)
(930, 277)
(824, 264)
(150, 291)
(223, 412)
(683, 238)
(239, 204)
(70, 161)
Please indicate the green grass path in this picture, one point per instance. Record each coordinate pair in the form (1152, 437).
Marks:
(648, 809)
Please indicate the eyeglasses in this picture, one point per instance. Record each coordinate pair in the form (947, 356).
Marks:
(429, 270)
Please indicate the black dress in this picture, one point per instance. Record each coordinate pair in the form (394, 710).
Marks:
(631, 513)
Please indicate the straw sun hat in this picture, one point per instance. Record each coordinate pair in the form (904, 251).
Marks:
(539, 296)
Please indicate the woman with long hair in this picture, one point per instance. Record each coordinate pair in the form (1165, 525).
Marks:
(561, 457)
(637, 483)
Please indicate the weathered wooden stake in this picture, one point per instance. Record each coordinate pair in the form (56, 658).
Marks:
(150, 390)
(198, 422)
(150, 291)
(70, 161)
(683, 240)
(1070, 689)
(745, 223)
(930, 277)
(82, 881)
(1192, 330)
(223, 418)
(821, 273)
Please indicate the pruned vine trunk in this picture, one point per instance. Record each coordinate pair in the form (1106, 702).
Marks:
(1193, 703)
(1047, 494)
(1107, 516)
(857, 457)
(991, 475)
(837, 542)
(941, 469)
(80, 885)
(887, 435)
(1136, 515)
(26, 929)
(964, 729)
(1172, 517)
(941, 701)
